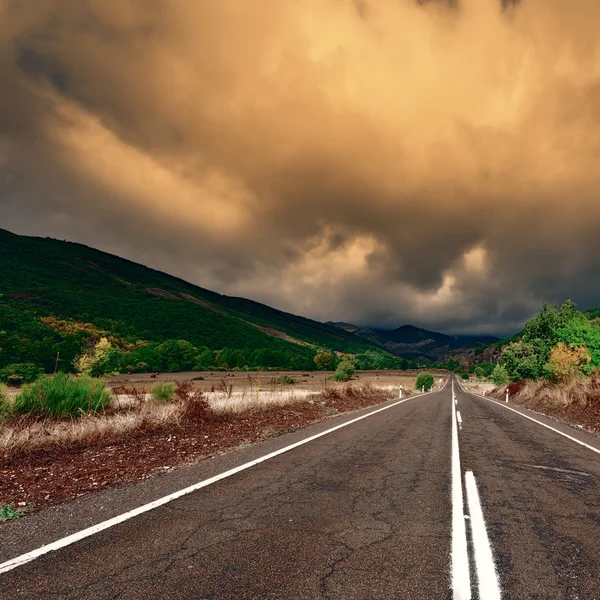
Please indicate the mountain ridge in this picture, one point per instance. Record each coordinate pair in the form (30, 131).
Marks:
(415, 343)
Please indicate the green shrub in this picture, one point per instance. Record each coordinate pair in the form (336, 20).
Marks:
(162, 392)
(345, 370)
(464, 375)
(62, 396)
(499, 375)
(285, 380)
(479, 372)
(19, 373)
(9, 512)
(325, 360)
(424, 381)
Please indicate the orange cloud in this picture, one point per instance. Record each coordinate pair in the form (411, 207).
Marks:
(428, 154)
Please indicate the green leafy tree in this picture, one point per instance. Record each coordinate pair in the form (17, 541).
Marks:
(479, 372)
(345, 370)
(424, 381)
(500, 375)
(545, 325)
(540, 335)
(452, 365)
(19, 373)
(176, 355)
(325, 360)
(99, 360)
(581, 333)
(526, 360)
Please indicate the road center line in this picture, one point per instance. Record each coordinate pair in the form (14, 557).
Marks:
(487, 577)
(89, 531)
(461, 581)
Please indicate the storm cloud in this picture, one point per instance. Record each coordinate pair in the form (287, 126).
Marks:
(373, 161)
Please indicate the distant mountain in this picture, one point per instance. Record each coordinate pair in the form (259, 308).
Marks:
(56, 296)
(414, 343)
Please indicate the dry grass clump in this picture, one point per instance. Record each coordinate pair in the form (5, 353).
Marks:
(543, 393)
(25, 434)
(192, 403)
(353, 391)
(251, 399)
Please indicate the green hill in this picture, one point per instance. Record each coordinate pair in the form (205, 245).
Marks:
(58, 296)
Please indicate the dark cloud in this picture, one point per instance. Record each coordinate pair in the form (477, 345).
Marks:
(372, 161)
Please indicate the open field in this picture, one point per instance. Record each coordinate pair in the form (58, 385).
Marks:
(308, 380)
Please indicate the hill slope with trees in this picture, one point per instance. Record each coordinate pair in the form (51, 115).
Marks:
(63, 297)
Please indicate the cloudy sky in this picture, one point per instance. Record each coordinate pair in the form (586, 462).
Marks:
(373, 161)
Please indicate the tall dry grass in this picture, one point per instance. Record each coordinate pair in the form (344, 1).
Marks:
(132, 410)
(581, 393)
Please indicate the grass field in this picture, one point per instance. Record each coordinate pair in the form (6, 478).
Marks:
(222, 393)
(313, 380)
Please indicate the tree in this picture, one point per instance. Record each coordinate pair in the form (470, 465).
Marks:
(526, 360)
(325, 360)
(578, 333)
(548, 321)
(424, 381)
(177, 355)
(500, 375)
(479, 372)
(94, 362)
(452, 364)
(568, 362)
(345, 370)
(19, 373)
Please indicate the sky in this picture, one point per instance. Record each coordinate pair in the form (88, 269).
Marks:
(378, 162)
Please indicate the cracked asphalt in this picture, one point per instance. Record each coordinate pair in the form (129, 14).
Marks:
(361, 513)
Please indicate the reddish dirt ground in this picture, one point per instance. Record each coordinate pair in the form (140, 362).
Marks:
(587, 417)
(49, 477)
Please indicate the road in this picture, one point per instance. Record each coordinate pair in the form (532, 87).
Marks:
(429, 498)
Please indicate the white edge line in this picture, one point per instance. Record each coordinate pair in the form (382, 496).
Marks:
(461, 578)
(592, 448)
(89, 531)
(487, 578)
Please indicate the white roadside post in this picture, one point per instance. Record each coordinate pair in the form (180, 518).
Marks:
(422, 389)
(400, 394)
(507, 394)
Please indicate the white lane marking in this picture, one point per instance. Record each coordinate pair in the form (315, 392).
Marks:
(459, 419)
(84, 533)
(487, 578)
(461, 580)
(592, 448)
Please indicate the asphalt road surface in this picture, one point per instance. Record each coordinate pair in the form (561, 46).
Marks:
(448, 495)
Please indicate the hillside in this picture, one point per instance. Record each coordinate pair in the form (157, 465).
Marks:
(58, 296)
(414, 343)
